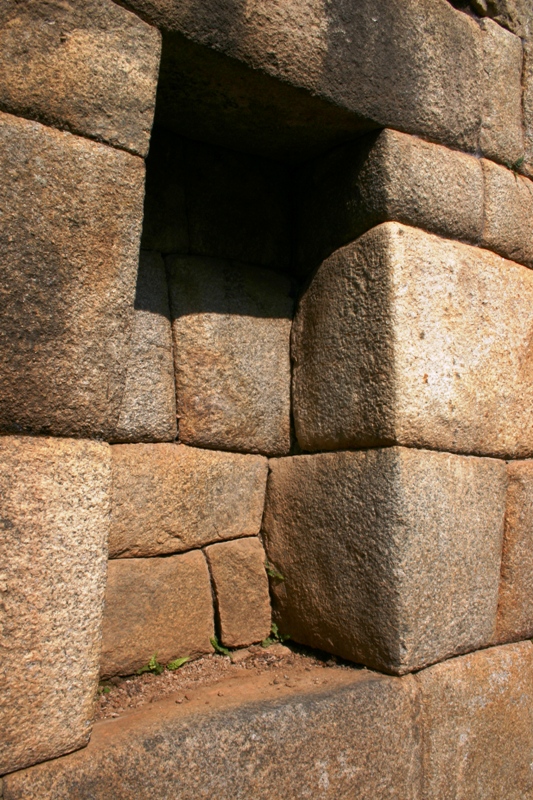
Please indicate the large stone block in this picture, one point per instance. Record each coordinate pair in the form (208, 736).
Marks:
(515, 603)
(148, 408)
(508, 213)
(388, 176)
(502, 132)
(155, 605)
(350, 738)
(169, 498)
(390, 557)
(71, 217)
(404, 337)
(88, 67)
(231, 327)
(54, 520)
(476, 714)
(241, 591)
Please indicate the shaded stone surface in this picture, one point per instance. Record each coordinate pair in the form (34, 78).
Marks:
(515, 602)
(404, 337)
(231, 328)
(148, 409)
(54, 520)
(168, 498)
(157, 606)
(502, 133)
(71, 216)
(391, 557)
(508, 217)
(246, 751)
(88, 67)
(477, 722)
(386, 176)
(241, 591)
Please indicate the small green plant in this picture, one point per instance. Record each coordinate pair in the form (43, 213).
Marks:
(517, 164)
(153, 666)
(179, 662)
(222, 651)
(273, 572)
(275, 637)
(104, 689)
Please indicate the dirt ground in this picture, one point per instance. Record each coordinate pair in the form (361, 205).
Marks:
(284, 664)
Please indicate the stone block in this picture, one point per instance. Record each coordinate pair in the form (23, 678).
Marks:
(508, 218)
(527, 102)
(168, 498)
(54, 520)
(155, 605)
(241, 591)
(403, 337)
(350, 738)
(231, 328)
(515, 604)
(89, 67)
(391, 557)
(237, 206)
(476, 715)
(71, 217)
(165, 214)
(148, 408)
(502, 132)
(388, 176)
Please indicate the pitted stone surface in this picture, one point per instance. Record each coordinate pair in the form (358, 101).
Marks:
(155, 606)
(515, 603)
(54, 521)
(231, 330)
(403, 337)
(89, 67)
(71, 217)
(148, 409)
(169, 498)
(508, 213)
(241, 591)
(390, 557)
(477, 723)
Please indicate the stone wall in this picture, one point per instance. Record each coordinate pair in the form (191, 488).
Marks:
(267, 357)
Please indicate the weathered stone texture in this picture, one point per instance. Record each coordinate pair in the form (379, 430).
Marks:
(148, 409)
(347, 740)
(88, 67)
(508, 217)
(502, 133)
(231, 327)
(155, 605)
(477, 723)
(241, 591)
(168, 498)
(389, 176)
(71, 216)
(408, 338)
(515, 603)
(391, 557)
(54, 519)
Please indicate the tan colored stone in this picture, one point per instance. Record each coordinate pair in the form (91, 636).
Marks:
(157, 606)
(527, 102)
(352, 737)
(502, 132)
(508, 218)
(54, 520)
(148, 409)
(388, 176)
(241, 591)
(71, 216)
(515, 602)
(390, 557)
(403, 337)
(231, 327)
(477, 726)
(88, 67)
(169, 498)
